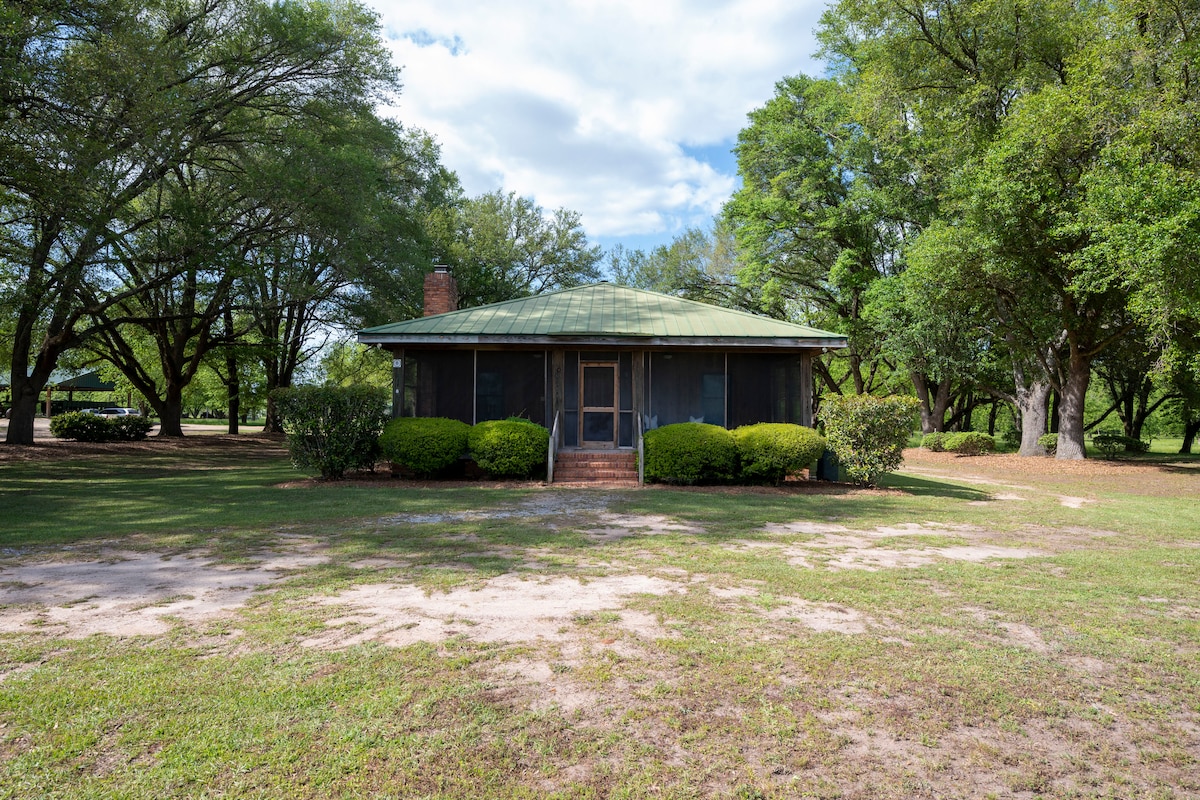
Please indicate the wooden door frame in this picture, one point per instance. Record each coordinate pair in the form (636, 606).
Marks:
(615, 366)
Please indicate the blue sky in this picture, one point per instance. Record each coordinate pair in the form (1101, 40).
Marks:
(622, 110)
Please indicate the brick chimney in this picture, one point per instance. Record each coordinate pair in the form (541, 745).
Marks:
(441, 292)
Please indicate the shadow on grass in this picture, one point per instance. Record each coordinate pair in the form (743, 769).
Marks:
(922, 487)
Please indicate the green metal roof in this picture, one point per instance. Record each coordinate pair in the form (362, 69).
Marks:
(601, 311)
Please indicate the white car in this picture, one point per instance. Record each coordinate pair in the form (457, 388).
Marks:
(116, 412)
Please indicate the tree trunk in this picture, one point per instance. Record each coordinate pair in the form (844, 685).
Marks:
(1071, 406)
(233, 389)
(1034, 412)
(26, 384)
(24, 409)
(933, 410)
(1190, 429)
(170, 411)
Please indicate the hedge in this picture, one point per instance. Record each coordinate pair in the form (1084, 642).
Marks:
(970, 443)
(332, 429)
(935, 442)
(425, 446)
(689, 453)
(868, 433)
(770, 451)
(509, 448)
(85, 427)
(1110, 443)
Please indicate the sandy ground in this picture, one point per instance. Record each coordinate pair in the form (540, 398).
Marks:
(127, 593)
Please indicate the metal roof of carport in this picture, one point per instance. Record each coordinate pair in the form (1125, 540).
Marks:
(601, 311)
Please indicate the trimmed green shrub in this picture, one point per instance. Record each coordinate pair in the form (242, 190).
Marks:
(1049, 442)
(770, 451)
(509, 448)
(82, 427)
(690, 452)
(426, 446)
(970, 443)
(936, 441)
(130, 429)
(868, 433)
(332, 429)
(1110, 443)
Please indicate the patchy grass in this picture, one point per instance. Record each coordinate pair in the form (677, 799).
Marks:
(969, 630)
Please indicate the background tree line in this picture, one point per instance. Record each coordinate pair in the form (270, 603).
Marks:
(997, 202)
(205, 188)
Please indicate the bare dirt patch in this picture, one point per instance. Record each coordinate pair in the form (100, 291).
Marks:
(838, 547)
(505, 609)
(132, 593)
(1160, 477)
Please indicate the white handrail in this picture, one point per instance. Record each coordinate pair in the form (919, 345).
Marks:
(552, 449)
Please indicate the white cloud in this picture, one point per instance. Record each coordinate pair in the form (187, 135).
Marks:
(593, 104)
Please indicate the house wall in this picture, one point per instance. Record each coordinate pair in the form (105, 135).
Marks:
(659, 387)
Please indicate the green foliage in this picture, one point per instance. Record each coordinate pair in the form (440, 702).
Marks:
(769, 451)
(81, 427)
(332, 429)
(1049, 441)
(426, 446)
(970, 443)
(509, 448)
(91, 427)
(691, 452)
(1111, 442)
(935, 441)
(868, 433)
(503, 246)
(131, 429)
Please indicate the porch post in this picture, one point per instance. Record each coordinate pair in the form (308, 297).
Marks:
(557, 392)
(639, 384)
(397, 383)
(806, 390)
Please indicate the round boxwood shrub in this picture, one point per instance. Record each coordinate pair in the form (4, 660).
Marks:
(770, 451)
(969, 443)
(1049, 442)
(690, 452)
(935, 442)
(82, 427)
(509, 448)
(426, 446)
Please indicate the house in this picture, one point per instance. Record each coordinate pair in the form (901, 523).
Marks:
(594, 361)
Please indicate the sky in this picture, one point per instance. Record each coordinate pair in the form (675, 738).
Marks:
(622, 110)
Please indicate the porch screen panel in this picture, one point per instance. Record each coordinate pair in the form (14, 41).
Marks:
(570, 427)
(764, 387)
(439, 383)
(510, 384)
(625, 381)
(687, 386)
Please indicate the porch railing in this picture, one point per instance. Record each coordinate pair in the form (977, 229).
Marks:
(641, 452)
(552, 449)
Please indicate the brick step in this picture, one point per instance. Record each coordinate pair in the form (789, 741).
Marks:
(597, 465)
(584, 474)
(593, 467)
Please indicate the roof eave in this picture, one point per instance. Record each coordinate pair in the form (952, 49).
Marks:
(799, 342)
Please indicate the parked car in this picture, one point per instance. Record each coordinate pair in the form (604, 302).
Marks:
(115, 412)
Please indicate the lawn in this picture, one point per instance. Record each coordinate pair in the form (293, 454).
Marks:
(198, 620)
